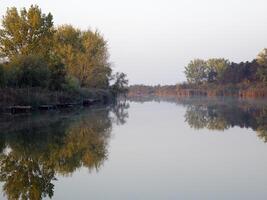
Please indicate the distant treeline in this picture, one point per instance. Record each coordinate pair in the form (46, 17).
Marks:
(36, 54)
(216, 77)
(222, 71)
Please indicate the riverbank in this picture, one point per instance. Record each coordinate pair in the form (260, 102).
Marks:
(31, 99)
(244, 90)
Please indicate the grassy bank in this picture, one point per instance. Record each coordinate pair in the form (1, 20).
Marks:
(36, 97)
(242, 90)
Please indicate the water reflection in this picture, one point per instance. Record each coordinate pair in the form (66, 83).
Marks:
(35, 149)
(220, 113)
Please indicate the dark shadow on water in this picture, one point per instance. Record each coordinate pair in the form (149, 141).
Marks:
(35, 148)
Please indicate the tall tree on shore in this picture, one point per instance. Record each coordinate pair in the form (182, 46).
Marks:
(26, 32)
(95, 70)
(216, 68)
(196, 71)
(262, 61)
(120, 83)
(85, 54)
(68, 45)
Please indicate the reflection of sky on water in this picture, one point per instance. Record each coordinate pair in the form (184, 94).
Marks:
(157, 154)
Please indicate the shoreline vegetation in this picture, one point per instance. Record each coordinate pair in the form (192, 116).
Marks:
(215, 77)
(42, 65)
(210, 90)
(23, 100)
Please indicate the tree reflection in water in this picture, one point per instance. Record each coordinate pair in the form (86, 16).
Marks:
(35, 148)
(222, 115)
(219, 113)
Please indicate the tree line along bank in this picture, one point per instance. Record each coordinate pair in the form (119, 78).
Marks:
(216, 77)
(42, 63)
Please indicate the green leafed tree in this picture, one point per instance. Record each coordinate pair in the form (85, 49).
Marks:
(67, 46)
(26, 32)
(196, 71)
(2, 76)
(262, 61)
(94, 67)
(120, 83)
(28, 71)
(262, 57)
(216, 69)
(85, 55)
(58, 78)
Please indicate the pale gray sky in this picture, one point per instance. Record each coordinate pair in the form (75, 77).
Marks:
(152, 40)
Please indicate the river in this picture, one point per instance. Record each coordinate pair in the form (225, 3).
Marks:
(142, 148)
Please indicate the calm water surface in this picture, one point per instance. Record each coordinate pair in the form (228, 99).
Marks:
(139, 149)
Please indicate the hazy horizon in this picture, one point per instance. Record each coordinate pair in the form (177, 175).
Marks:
(152, 41)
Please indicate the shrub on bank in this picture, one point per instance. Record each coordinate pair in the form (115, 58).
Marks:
(2, 76)
(27, 71)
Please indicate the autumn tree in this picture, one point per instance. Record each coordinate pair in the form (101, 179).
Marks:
(216, 68)
(94, 68)
(26, 32)
(33, 50)
(262, 61)
(196, 71)
(85, 55)
(67, 46)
